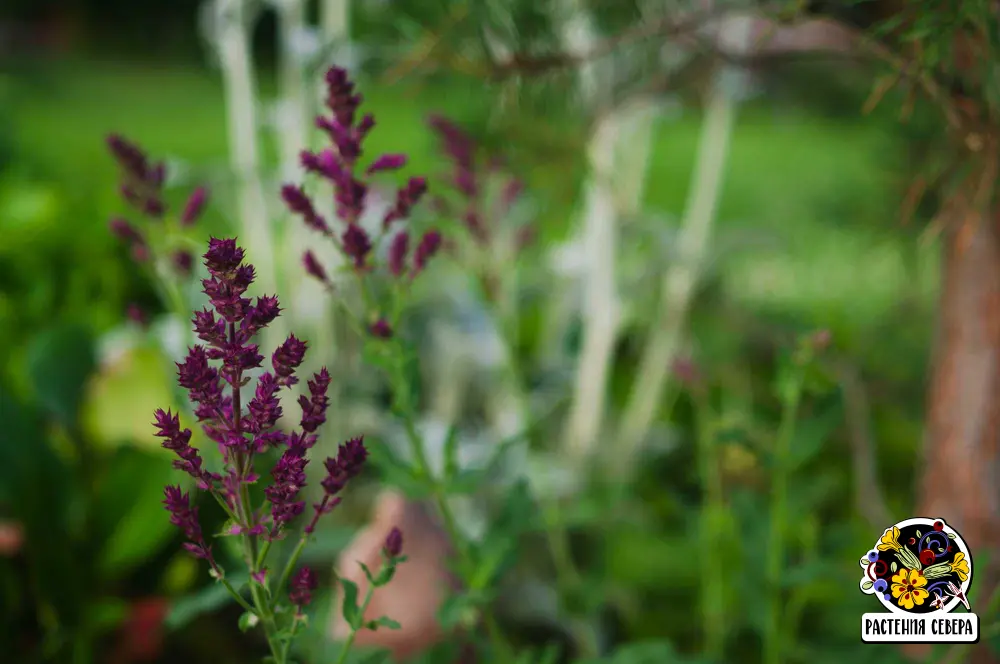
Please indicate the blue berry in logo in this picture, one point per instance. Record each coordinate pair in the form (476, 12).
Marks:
(881, 586)
(872, 556)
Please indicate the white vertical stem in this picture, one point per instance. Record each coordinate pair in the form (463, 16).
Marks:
(601, 308)
(681, 279)
(240, 88)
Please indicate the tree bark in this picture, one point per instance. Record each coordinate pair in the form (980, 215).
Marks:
(962, 440)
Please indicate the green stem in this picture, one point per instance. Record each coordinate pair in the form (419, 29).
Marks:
(779, 507)
(354, 630)
(283, 659)
(239, 598)
(405, 410)
(713, 510)
(289, 566)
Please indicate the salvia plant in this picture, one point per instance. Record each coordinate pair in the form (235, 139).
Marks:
(244, 425)
(157, 240)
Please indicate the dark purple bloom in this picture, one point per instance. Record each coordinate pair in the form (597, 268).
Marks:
(325, 164)
(286, 359)
(340, 96)
(313, 268)
(338, 165)
(184, 515)
(142, 181)
(289, 478)
(394, 543)
(406, 198)
(347, 464)
(397, 253)
(223, 257)
(124, 230)
(297, 201)
(301, 587)
(387, 162)
(168, 427)
(314, 406)
(356, 244)
(195, 206)
(137, 315)
(381, 329)
(264, 408)
(429, 245)
(183, 261)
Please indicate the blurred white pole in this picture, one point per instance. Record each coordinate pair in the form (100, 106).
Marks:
(681, 279)
(232, 28)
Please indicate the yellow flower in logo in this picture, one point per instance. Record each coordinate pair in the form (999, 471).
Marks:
(890, 540)
(960, 566)
(908, 588)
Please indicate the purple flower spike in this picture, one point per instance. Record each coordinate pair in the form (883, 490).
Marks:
(429, 245)
(397, 253)
(387, 162)
(338, 165)
(356, 244)
(313, 267)
(122, 229)
(195, 206)
(348, 463)
(289, 477)
(185, 516)
(287, 358)
(314, 406)
(297, 201)
(301, 587)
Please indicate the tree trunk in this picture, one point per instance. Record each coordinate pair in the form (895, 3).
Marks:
(962, 441)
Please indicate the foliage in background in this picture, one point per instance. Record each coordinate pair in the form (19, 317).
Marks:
(802, 244)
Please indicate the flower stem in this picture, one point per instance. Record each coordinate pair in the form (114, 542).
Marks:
(405, 410)
(712, 513)
(354, 630)
(289, 566)
(239, 598)
(779, 506)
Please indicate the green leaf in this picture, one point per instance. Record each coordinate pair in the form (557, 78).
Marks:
(811, 434)
(867, 585)
(368, 573)
(384, 621)
(130, 509)
(349, 608)
(893, 566)
(59, 362)
(384, 575)
(918, 533)
(248, 620)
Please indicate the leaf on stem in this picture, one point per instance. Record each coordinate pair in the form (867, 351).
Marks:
(384, 621)
(349, 608)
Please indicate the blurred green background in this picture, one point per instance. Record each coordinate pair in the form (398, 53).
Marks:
(809, 236)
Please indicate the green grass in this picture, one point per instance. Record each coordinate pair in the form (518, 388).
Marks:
(807, 216)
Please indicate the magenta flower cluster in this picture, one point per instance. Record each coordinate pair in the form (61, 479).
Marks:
(215, 375)
(469, 170)
(339, 165)
(141, 187)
